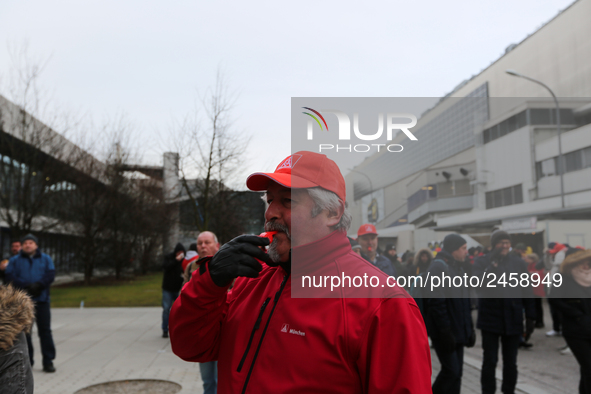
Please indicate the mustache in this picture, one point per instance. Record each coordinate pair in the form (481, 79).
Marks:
(276, 226)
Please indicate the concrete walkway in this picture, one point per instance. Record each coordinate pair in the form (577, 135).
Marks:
(96, 345)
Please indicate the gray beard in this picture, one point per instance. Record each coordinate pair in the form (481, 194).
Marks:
(272, 252)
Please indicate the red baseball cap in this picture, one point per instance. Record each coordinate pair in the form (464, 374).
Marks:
(302, 170)
(367, 229)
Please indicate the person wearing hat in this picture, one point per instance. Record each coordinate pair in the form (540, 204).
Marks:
(367, 236)
(500, 311)
(449, 321)
(34, 272)
(272, 333)
(554, 255)
(573, 299)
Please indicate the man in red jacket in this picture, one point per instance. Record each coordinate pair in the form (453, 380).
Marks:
(274, 334)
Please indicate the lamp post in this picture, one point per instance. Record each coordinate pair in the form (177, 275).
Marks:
(368, 179)
(561, 164)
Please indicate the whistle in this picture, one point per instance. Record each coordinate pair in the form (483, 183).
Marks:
(269, 235)
(369, 248)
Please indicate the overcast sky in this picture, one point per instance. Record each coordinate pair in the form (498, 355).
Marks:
(149, 59)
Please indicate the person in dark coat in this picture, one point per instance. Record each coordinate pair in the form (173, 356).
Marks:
(172, 281)
(500, 312)
(573, 300)
(449, 321)
(421, 262)
(16, 318)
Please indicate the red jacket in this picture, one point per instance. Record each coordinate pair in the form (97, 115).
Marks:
(265, 341)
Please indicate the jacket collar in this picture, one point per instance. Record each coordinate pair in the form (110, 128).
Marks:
(35, 255)
(447, 257)
(330, 247)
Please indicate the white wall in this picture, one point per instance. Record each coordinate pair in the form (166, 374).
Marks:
(573, 232)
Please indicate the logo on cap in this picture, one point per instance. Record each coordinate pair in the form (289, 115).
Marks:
(290, 162)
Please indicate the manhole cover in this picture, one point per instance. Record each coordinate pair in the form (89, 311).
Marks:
(138, 386)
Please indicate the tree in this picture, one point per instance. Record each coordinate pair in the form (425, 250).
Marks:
(33, 155)
(119, 215)
(211, 154)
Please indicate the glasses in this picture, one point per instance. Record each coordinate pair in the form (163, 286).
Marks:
(505, 243)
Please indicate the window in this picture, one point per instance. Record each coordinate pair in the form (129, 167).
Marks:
(574, 160)
(587, 157)
(517, 194)
(540, 116)
(502, 197)
(486, 136)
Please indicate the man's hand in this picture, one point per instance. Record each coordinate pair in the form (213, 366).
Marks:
(34, 289)
(237, 258)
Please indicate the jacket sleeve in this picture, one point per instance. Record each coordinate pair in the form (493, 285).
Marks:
(437, 300)
(196, 318)
(396, 328)
(11, 275)
(49, 275)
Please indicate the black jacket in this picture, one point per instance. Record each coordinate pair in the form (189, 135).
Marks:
(173, 270)
(449, 307)
(500, 308)
(576, 311)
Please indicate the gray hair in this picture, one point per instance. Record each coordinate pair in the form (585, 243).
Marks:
(324, 199)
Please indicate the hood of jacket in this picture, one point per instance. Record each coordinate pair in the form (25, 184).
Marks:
(16, 314)
(417, 261)
(178, 248)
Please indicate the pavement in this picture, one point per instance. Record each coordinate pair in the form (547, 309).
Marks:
(97, 345)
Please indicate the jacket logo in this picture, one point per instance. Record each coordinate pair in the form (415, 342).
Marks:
(288, 330)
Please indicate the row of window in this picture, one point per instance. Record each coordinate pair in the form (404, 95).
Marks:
(572, 161)
(503, 197)
(531, 116)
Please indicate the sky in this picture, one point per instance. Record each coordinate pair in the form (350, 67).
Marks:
(152, 60)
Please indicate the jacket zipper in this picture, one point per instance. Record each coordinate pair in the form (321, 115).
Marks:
(275, 300)
(256, 327)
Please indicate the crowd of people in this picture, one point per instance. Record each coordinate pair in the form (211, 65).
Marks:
(508, 318)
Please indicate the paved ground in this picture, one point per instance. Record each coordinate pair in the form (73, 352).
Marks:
(96, 345)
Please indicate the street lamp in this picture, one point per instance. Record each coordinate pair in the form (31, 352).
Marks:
(370, 184)
(561, 164)
(365, 175)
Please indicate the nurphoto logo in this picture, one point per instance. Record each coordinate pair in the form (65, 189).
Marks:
(392, 121)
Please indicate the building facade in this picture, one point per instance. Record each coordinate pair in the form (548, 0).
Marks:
(488, 153)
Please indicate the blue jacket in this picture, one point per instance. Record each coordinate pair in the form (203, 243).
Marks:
(24, 270)
(383, 263)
